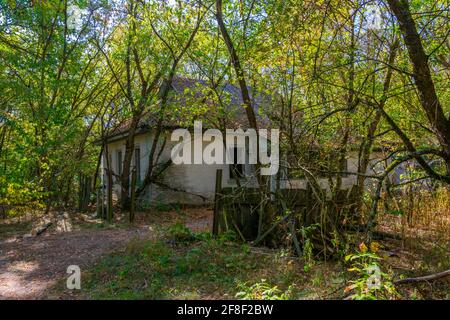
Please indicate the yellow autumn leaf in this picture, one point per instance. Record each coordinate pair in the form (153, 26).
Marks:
(374, 247)
(362, 247)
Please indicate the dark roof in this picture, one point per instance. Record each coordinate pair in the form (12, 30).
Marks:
(188, 91)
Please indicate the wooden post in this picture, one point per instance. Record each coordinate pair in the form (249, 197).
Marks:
(217, 206)
(133, 194)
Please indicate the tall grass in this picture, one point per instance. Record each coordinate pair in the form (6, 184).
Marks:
(415, 211)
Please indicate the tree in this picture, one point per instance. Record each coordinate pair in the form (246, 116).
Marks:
(422, 78)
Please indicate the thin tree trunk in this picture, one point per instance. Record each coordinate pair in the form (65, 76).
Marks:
(97, 168)
(237, 67)
(109, 202)
(366, 148)
(133, 194)
(251, 117)
(149, 176)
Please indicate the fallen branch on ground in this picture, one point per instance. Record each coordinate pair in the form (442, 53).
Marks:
(42, 229)
(376, 235)
(380, 235)
(430, 277)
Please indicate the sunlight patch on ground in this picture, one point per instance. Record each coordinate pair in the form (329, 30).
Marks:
(23, 266)
(17, 282)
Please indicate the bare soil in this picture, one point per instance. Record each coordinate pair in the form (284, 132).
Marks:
(31, 265)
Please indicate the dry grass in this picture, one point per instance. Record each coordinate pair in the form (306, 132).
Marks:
(422, 219)
(419, 214)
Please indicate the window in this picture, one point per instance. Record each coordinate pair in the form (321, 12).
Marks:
(236, 169)
(119, 163)
(137, 163)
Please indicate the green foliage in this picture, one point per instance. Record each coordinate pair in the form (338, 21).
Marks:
(63, 87)
(19, 194)
(47, 99)
(180, 233)
(164, 270)
(228, 236)
(396, 212)
(163, 206)
(308, 254)
(262, 291)
(371, 282)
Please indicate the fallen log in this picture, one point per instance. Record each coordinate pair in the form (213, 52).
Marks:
(43, 228)
(380, 235)
(430, 277)
(376, 235)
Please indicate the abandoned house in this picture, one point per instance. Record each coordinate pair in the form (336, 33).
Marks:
(194, 184)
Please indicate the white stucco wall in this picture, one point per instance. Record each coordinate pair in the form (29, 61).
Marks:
(347, 181)
(195, 183)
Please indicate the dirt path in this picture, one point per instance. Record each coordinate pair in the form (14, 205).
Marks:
(28, 266)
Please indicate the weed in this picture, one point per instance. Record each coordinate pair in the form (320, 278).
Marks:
(262, 291)
(371, 283)
(180, 233)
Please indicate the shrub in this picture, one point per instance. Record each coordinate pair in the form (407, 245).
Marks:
(371, 283)
(180, 233)
(262, 291)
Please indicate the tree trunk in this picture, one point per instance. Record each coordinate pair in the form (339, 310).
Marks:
(251, 117)
(133, 194)
(422, 76)
(366, 148)
(109, 202)
(237, 68)
(126, 165)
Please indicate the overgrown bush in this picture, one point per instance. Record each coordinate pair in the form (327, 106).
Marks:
(180, 233)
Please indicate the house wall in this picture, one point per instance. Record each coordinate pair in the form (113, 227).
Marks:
(195, 183)
(186, 183)
(348, 180)
(141, 142)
